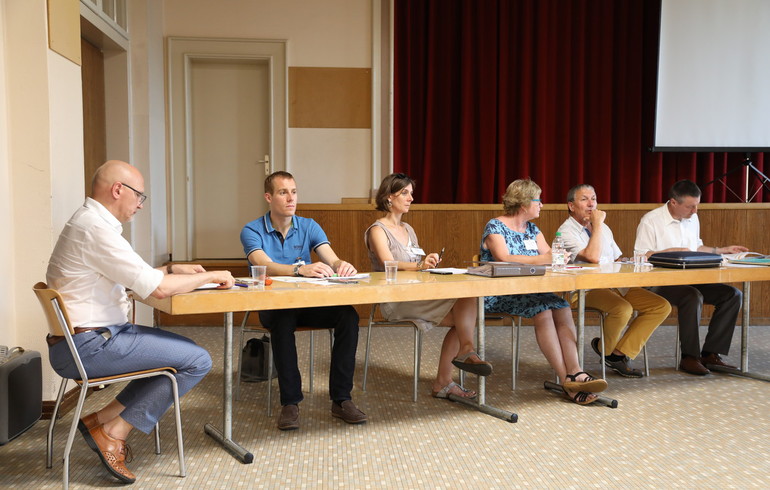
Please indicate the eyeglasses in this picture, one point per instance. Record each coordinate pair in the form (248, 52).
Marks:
(140, 195)
(536, 200)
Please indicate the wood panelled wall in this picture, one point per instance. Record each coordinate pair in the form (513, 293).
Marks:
(458, 228)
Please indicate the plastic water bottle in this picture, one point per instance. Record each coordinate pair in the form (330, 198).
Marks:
(557, 253)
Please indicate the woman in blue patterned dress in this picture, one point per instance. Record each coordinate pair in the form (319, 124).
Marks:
(513, 238)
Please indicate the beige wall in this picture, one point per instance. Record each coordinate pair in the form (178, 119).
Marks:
(328, 163)
(43, 161)
(41, 150)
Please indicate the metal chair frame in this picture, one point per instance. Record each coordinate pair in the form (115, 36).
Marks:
(417, 347)
(245, 328)
(515, 344)
(59, 325)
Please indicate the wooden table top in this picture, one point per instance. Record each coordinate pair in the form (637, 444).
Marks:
(413, 286)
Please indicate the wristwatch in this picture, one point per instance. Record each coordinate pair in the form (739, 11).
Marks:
(296, 269)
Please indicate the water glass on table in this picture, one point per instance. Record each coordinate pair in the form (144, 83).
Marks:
(391, 270)
(258, 275)
(640, 260)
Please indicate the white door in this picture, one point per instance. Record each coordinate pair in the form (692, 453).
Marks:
(230, 148)
(227, 110)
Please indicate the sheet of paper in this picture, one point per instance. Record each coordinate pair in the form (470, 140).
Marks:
(209, 285)
(364, 275)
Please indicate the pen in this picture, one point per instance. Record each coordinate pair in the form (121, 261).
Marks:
(440, 254)
(242, 284)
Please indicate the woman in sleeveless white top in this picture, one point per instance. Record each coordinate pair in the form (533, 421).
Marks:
(390, 239)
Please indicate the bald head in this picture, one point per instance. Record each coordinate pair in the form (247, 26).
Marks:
(116, 185)
(110, 172)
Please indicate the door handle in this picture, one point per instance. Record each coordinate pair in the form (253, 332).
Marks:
(266, 161)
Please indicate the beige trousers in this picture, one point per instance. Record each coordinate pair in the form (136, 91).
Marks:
(652, 310)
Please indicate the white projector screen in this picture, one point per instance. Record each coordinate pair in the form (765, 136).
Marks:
(713, 76)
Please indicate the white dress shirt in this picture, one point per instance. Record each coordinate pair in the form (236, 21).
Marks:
(658, 230)
(576, 238)
(92, 265)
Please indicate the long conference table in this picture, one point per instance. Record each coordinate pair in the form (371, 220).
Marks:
(413, 286)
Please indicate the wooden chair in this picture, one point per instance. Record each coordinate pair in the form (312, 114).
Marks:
(59, 325)
(245, 328)
(417, 347)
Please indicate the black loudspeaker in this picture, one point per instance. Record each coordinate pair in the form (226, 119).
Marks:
(21, 391)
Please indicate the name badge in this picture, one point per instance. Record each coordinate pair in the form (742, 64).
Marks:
(416, 251)
(530, 244)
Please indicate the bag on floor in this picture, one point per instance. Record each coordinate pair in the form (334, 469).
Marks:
(254, 358)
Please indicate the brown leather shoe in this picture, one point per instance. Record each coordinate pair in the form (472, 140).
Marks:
(692, 365)
(348, 412)
(113, 453)
(714, 359)
(289, 418)
(85, 425)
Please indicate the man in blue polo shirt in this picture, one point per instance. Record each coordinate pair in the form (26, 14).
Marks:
(283, 242)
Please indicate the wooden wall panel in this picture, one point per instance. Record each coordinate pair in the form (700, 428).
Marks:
(330, 97)
(458, 228)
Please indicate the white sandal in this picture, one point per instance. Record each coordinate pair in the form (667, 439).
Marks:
(447, 390)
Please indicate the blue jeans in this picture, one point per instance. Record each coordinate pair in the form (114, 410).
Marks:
(282, 323)
(136, 348)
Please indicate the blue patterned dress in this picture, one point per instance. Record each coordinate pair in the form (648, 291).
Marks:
(526, 305)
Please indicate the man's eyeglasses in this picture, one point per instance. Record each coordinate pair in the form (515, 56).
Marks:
(141, 195)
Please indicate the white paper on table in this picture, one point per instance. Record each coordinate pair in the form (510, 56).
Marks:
(210, 285)
(319, 280)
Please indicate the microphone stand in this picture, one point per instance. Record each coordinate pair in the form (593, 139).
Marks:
(748, 165)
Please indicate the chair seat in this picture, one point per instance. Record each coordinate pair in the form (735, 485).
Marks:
(96, 381)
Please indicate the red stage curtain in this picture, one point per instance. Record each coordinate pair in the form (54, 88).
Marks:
(563, 92)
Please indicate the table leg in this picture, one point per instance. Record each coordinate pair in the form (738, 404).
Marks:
(225, 439)
(744, 369)
(481, 405)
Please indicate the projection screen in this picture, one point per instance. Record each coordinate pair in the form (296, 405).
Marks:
(713, 76)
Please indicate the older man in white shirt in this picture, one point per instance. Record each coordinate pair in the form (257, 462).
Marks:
(675, 227)
(588, 238)
(91, 267)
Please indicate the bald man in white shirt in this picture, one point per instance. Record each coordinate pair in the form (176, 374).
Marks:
(91, 266)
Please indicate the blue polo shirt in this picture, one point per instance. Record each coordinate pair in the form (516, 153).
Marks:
(304, 236)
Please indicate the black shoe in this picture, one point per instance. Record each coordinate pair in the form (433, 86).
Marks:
(595, 346)
(623, 367)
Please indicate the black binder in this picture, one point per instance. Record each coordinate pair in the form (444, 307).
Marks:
(685, 260)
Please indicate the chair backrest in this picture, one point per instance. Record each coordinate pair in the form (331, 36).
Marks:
(47, 296)
(58, 320)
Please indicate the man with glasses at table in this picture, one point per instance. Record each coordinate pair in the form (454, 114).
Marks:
(675, 227)
(91, 266)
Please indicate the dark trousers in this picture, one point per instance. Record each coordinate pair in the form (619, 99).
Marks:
(283, 323)
(689, 303)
